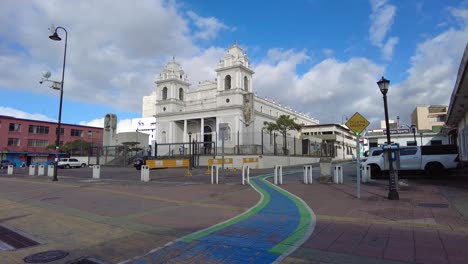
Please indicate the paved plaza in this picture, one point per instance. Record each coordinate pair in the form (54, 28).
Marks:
(178, 219)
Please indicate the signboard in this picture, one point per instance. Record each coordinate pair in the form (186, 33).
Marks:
(398, 131)
(144, 124)
(357, 123)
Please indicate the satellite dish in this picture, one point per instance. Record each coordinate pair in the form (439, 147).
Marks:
(46, 74)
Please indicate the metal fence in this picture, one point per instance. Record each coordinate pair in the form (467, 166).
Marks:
(259, 143)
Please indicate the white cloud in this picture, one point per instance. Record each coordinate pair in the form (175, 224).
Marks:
(110, 61)
(208, 27)
(460, 14)
(328, 91)
(387, 49)
(328, 52)
(381, 21)
(7, 111)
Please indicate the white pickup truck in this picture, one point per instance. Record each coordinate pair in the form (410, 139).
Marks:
(430, 159)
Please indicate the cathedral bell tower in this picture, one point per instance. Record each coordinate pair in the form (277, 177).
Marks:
(233, 71)
(171, 89)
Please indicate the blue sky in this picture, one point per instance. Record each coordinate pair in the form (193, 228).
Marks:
(319, 57)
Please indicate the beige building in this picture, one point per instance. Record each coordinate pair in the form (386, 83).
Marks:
(431, 117)
(342, 140)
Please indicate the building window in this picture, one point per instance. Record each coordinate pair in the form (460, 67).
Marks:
(14, 127)
(436, 142)
(62, 131)
(38, 129)
(164, 93)
(261, 109)
(411, 143)
(90, 134)
(246, 83)
(76, 133)
(163, 137)
(227, 82)
(38, 143)
(14, 142)
(181, 94)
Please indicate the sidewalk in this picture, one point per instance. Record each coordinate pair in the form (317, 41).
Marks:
(117, 219)
(422, 227)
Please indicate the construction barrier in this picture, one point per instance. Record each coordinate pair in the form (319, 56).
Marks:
(41, 170)
(278, 174)
(338, 175)
(145, 176)
(213, 168)
(10, 170)
(50, 170)
(96, 171)
(170, 163)
(365, 173)
(219, 162)
(250, 161)
(32, 170)
(245, 173)
(308, 174)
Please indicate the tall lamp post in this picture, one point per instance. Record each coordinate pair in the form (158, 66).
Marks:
(56, 37)
(392, 190)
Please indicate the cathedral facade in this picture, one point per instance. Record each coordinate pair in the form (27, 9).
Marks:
(225, 107)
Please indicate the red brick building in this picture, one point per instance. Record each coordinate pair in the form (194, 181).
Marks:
(26, 141)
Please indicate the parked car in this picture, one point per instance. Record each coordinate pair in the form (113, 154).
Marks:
(5, 163)
(430, 159)
(138, 162)
(70, 163)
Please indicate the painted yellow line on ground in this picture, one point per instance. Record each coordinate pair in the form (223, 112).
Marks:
(358, 220)
(148, 197)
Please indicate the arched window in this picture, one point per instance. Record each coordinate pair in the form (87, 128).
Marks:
(227, 82)
(246, 83)
(164, 93)
(181, 94)
(261, 109)
(163, 137)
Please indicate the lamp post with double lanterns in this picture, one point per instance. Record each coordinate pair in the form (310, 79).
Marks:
(56, 37)
(392, 190)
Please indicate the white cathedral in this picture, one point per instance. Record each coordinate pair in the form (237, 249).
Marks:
(227, 104)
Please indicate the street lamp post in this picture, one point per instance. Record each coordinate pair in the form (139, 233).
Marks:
(413, 128)
(392, 190)
(56, 37)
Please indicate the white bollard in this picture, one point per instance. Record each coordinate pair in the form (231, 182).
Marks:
(41, 170)
(308, 174)
(338, 175)
(96, 171)
(32, 170)
(368, 173)
(145, 173)
(50, 170)
(10, 170)
(364, 174)
(278, 174)
(245, 173)
(212, 173)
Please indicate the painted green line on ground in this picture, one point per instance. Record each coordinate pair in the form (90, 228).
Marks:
(252, 211)
(301, 229)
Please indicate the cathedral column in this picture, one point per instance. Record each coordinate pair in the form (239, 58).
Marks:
(202, 129)
(184, 136)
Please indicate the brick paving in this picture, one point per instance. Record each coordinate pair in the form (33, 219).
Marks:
(118, 218)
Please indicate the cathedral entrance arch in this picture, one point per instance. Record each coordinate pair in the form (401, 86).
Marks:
(207, 139)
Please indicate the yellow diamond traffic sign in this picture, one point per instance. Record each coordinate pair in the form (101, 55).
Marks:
(357, 123)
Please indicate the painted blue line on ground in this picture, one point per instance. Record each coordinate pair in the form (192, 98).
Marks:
(247, 241)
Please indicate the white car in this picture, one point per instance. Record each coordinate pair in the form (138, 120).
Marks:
(70, 163)
(430, 159)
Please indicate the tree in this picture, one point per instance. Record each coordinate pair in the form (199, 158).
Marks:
(132, 146)
(75, 146)
(283, 124)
